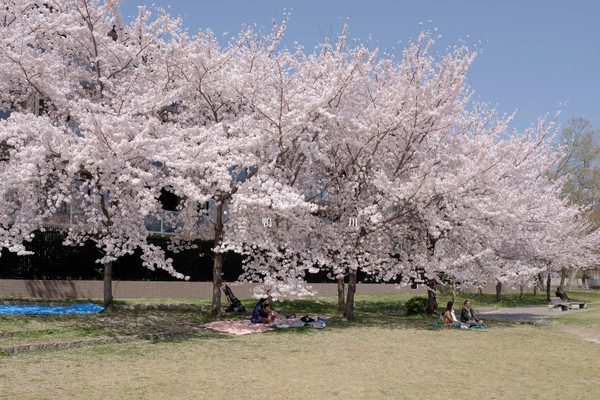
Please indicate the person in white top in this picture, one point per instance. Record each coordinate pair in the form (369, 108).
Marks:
(450, 318)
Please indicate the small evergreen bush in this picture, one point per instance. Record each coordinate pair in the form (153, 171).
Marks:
(417, 306)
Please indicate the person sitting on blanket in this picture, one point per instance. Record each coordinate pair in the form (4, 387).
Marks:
(450, 318)
(262, 313)
(467, 315)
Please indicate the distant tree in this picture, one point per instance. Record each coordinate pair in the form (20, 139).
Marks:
(581, 164)
(580, 170)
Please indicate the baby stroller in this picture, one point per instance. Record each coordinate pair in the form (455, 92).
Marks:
(233, 303)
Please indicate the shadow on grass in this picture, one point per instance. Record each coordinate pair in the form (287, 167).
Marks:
(114, 326)
(389, 311)
(181, 324)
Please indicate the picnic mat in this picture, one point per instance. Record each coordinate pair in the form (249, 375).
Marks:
(237, 327)
(86, 308)
(471, 327)
(245, 327)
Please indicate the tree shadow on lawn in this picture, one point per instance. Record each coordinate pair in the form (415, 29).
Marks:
(305, 307)
(177, 325)
(395, 321)
(328, 306)
(117, 326)
(386, 312)
(159, 325)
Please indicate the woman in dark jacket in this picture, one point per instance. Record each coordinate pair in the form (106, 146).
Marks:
(261, 313)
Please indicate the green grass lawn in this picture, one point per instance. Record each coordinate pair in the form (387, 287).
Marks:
(156, 354)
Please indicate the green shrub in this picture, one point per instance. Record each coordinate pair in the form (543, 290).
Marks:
(417, 306)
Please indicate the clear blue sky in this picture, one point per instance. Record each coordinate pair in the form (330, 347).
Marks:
(534, 54)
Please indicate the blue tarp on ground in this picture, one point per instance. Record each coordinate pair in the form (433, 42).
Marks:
(471, 327)
(86, 308)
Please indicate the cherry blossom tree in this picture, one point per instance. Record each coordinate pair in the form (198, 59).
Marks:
(357, 176)
(515, 214)
(296, 109)
(95, 140)
(401, 159)
(249, 103)
(343, 160)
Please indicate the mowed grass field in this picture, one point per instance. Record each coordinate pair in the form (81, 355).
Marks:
(163, 354)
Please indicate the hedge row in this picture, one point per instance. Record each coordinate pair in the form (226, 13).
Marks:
(52, 260)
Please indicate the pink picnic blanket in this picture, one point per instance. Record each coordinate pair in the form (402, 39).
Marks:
(237, 327)
(245, 327)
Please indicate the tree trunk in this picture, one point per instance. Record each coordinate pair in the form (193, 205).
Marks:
(548, 287)
(499, 292)
(454, 292)
(540, 282)
(521, 291)
(563, 276)
(341, 295)
(108, 267)
(217, 264)
(432, 304)
(349, 309)
(108, 297)
(432, 297)
(572, 277)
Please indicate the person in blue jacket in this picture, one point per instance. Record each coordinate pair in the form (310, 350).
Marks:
(262, 313)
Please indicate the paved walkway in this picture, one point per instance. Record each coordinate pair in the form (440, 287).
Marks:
(521, 314)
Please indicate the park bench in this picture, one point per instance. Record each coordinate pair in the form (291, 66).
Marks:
(566, 305)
